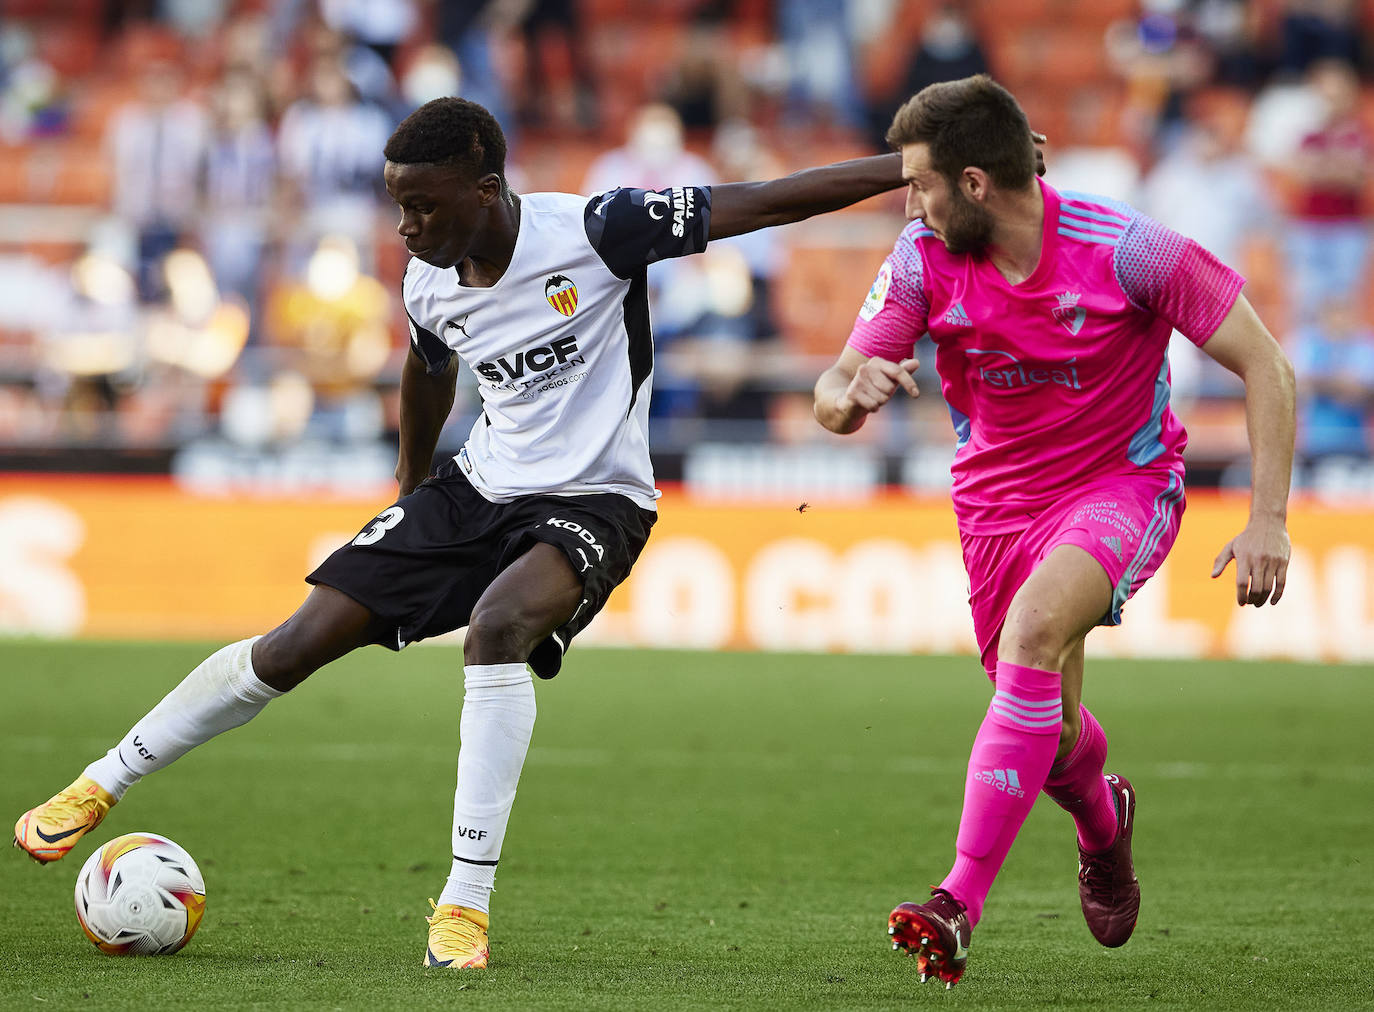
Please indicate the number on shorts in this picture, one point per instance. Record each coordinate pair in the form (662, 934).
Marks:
(386, 520)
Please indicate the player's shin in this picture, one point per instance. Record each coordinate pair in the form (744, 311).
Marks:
(1076, 784)
(497, 721)
(1011, 757)
(222, 693)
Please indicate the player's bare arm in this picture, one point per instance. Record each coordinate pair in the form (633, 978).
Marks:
(745, 207)
(425, 403)
(1243, 345)
(737, 208)
(856, 386)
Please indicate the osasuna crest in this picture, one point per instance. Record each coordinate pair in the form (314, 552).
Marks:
(562, 294)
(1069, 313)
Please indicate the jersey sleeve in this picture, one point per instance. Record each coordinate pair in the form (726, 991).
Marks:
(631, 228)
(1165, 273)
(895, 312)
(425, 345)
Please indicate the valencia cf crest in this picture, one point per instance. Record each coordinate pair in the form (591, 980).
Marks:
(562, 294)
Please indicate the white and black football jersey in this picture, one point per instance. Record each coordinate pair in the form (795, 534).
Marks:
(561, 344)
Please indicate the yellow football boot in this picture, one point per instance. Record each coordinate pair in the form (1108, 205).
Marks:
(457, 938)
(47, 832)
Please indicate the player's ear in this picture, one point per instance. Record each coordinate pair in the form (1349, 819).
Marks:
(974, 182)
(489, 189)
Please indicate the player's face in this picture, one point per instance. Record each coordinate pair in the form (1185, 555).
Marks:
(443, 210)
(961, 224)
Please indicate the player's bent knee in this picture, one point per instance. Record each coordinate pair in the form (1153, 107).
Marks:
(1034, 636)
(499, 635)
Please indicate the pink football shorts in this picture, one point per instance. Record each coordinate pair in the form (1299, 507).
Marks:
(1127, 524)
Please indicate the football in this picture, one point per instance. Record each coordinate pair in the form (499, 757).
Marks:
(140, 895)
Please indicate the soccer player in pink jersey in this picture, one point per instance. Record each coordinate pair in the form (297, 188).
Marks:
(1051, 315)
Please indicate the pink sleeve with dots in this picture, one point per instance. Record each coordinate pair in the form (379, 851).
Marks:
(1173, 277)
(893, 316)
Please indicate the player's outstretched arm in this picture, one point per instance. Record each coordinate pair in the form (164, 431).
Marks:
(425, 403)
(856, 386)
(1243, 345)
(745, 207)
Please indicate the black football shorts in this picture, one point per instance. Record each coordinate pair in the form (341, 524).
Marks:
(423, 563)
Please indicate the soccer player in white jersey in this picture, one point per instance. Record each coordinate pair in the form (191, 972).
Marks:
(1051, 314)
(524, 533)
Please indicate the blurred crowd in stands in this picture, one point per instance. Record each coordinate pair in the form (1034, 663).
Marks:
(198, 267)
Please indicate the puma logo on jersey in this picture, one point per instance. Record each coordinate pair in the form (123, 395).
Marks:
(532, 360)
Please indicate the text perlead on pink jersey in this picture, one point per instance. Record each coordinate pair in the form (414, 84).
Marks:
(1062, 380)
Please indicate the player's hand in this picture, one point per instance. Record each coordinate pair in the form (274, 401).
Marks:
(1261, 553)
(875, 382)
(1039, 139)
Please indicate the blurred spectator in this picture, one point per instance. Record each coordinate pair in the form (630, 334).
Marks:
(334, 328)
(32, 103)
(1229, 28)
(654, 156)
(703, 86)
(556, 40)
(156, 146)
(365, 68)
(1311, 31)
(1334, 361)
(1211, 190)
(331, 154)
(381, 25)
(239, 183)
(469, 29)
(1328, 236)
(1207, 186)
(1163, 60)
(815, 35)
(947, 50)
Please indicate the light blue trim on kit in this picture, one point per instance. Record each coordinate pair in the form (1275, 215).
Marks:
(1096, 237)
(1067, 207)
(1069, 220)
(1145, 443)
(962, 429)
(1166, 508)
(1079, 197)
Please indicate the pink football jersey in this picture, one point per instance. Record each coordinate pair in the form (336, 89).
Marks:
(1061, 380)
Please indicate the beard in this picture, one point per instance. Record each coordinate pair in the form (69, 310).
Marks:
(969, 228)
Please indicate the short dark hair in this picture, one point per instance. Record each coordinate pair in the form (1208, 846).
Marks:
(450, 131)
(972, 121)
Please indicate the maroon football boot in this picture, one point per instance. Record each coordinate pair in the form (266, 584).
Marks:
(1107, 886)
(937, 933)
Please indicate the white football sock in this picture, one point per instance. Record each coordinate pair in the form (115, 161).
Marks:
(495, 728)
(220, 694)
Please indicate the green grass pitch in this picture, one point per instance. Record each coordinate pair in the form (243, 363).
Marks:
(703, 831)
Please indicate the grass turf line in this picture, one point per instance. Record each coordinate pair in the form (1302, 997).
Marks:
(703, 830)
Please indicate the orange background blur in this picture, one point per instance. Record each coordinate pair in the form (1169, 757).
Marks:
(138, 558)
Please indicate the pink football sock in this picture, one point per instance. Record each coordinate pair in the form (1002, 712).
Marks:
(1076, 785)
(1012, 755)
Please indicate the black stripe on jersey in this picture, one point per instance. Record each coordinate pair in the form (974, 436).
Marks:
(639, 332)
(430, 349)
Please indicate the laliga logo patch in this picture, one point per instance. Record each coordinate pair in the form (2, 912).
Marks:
(1069, 313)
(877, 295)
(562, 294)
